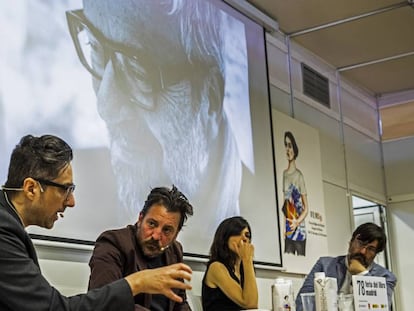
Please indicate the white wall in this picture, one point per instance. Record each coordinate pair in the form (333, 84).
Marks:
(399, 172)
(401, 216)
(351, 163)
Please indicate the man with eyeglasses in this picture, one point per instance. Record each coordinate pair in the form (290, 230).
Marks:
(367, 241)
(171, 81)
(38, 189)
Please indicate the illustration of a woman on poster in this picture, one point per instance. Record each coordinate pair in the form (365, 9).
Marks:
(295, 206)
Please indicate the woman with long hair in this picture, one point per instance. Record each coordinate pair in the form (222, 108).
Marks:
(229, 283)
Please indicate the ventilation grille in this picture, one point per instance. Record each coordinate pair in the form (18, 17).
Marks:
(315, 86)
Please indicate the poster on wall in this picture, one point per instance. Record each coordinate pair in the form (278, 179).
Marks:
(147, 94)
(300, 193)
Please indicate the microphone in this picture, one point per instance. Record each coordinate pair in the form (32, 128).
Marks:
(164, 247)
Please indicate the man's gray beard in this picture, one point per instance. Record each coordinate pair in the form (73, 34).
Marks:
(178, 154)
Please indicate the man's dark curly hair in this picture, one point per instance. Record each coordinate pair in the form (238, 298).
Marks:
(369, 232)
(41, 157)
(172, 199)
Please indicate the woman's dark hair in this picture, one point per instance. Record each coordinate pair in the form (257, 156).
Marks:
(293, 141)
(369, 232)
(41, 157)
(219, 250)
(173, 200)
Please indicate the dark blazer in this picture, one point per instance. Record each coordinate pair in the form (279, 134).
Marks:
(117, 254)
(22, 286)
(335, 267)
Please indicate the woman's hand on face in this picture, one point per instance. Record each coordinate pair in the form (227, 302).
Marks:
(246, 250)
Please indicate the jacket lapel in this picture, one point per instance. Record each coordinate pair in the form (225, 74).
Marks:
(341, 270)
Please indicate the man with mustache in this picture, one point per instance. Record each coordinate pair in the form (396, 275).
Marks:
(150, 243)
(38, 189)
(367, 241)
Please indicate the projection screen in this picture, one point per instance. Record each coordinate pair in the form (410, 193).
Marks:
(148, 94)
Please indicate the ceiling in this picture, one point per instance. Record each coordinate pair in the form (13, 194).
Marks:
(370, 42)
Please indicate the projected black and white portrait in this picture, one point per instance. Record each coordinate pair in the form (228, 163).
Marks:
(42, 88)
(148, 94)
(171, 82)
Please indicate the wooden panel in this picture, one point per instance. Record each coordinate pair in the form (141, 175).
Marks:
(397, 121)
(293, 16)
(367, 39)
(387, 77)
(371, 38)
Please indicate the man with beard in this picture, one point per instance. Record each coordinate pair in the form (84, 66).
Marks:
(171, 81)
(150, 243)
(367, 241)
(38, 189)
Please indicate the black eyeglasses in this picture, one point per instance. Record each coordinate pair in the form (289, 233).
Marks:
(136, 70)
(369, 248)
(68, 188)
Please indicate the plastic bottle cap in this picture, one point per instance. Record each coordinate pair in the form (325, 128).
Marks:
(319, 275)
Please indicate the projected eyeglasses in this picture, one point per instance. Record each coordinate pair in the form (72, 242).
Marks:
(136, 70)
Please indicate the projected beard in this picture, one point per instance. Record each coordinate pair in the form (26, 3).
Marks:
(173, 131)
(185, 140)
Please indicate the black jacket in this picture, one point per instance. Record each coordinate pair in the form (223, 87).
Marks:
(22, 286)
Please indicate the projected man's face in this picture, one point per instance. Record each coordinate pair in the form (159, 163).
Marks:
(146, 85)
